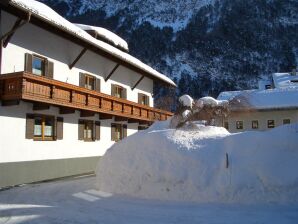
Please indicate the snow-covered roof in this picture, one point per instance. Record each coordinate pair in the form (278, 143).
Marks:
(282, 98)
(48, 15)
(106, 35)
(282, 80)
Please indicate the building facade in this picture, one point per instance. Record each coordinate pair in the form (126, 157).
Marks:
(66, 97)
(274, 103)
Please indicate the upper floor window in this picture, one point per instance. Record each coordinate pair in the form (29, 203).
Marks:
(143, 99)
(38, 65)
(270, 124)
(44, 127)
(118, 132)
(286, 121)
(239, 124)
(118, 91)
(89, 82)
(255, 124)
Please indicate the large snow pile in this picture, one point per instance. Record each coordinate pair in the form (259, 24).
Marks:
(203, 164)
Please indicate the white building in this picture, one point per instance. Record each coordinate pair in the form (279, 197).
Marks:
(65, 96)
(274, 103)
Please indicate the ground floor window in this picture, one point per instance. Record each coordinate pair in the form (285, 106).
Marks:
(226, 125)
(89, 130)
(239, 124)
(140, 128)
(270, 124)
(44, 127)
(255, 124)
(286, 121)
(118, 132)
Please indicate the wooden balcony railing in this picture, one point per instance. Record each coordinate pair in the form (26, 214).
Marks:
(26, 86)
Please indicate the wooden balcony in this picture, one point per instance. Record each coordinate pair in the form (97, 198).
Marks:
(24, 86)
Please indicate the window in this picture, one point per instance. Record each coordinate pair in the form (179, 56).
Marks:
(143, 99)
(89, 82)
(89, 130)
(255, 124)
(118, 132)
(239, 124)
(270, 124)
(38, 65)
(140, 128)
(118, 91)
(226, 125)
(44, 127)
(286, 121)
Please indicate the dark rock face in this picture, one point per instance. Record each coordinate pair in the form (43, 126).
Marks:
(206, 46)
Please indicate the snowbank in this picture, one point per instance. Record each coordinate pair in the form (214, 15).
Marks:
(186, 100)
(204, 164)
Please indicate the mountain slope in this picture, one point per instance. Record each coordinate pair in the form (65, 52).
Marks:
(205, 45)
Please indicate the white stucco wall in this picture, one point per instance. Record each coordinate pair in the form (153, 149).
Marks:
(14, 147)
(262, 118)
(32, 39)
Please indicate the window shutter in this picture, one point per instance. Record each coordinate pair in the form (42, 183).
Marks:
(82, 79)
(29, 126)
(113, 132)
(81, 129)
(49, 69)
(147, 100)
(124, 93)
(97, 130)
(124, 131)
(59, 128)
(139, 98)
(97, 85)
(28, 63)
(113, 90)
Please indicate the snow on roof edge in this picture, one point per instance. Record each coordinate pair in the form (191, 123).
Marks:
(47, 14)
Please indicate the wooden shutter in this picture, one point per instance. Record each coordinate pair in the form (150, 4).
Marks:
(81, 129)
(124, 131)
(139, 98)
(82, 79)
(29, 126)
(59, 128)
(147, 100)
(124, 93)
(49, 69)
(113, 90)
(113, 132)
(97, 85)
(28, 63)
(97, 130)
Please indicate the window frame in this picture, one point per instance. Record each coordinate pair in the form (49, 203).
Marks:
(88, 123)
(239, 125)
(272, 125)
(255, 122)
(89, 77)
(120, 127)
(43, 68)
(286, 119)
(143, 97)
(43, 137)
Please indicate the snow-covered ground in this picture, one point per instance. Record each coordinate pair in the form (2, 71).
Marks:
(77, 201)
(204, 164)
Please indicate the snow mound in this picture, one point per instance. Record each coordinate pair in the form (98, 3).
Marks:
(208, 100)
(203, 164)
(186, 100)
(106, 35)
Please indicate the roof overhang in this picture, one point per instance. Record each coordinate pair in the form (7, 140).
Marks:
(53, 28)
